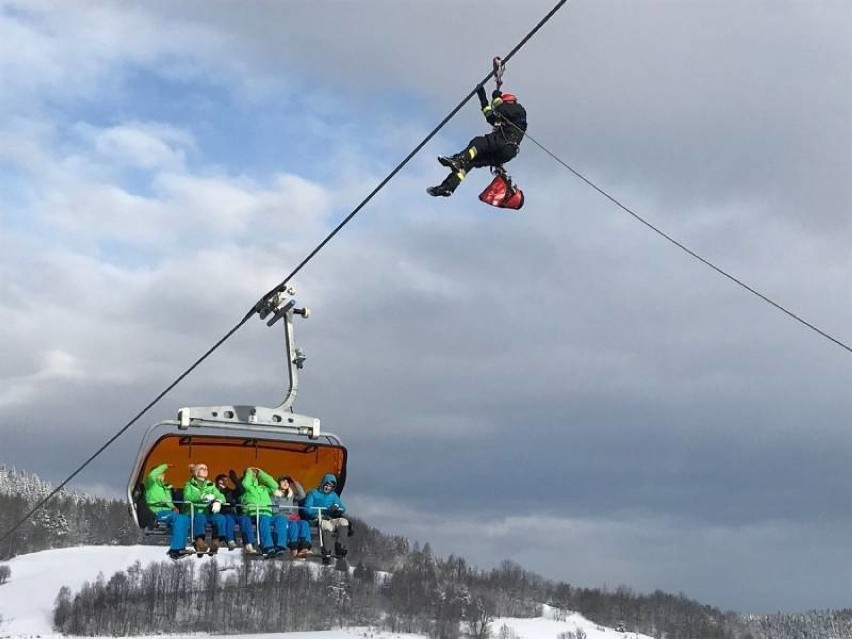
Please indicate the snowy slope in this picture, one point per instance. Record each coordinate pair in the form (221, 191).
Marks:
(553, 623)
(26, 600)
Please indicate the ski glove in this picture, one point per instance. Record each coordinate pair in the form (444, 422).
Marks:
(215, 507)
(480, 93)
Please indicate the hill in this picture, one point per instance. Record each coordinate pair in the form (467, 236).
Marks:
(27, 599)
(421, 594)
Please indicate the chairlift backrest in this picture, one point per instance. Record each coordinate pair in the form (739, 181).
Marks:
(227, 450)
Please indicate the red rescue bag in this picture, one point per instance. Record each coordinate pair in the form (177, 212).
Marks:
(502, 194)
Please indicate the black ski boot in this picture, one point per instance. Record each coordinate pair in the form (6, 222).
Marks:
(326, 558)
(457, 162)
(439, 191)
(448, 186)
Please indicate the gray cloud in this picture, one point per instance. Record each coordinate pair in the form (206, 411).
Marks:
(699, 105)
(562, 362)
(642, 553)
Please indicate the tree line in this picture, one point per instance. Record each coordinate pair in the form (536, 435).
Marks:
(69, 519)
(441, 598)
(395, 585)
(818, 624)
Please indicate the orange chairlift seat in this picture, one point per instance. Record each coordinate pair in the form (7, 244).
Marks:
(233, 438)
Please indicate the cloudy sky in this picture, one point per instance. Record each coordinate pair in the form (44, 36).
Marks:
(560, 385)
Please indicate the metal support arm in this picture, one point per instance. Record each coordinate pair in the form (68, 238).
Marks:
(281, 306)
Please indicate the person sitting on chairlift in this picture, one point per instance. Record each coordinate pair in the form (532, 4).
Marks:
(258, 487)
(286, 502)
(203, 501)
(232, 512)
(158, 496)
(325, 503)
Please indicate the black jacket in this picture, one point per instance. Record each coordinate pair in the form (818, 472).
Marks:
(509, 118)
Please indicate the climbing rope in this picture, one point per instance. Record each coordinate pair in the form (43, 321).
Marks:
(683, 247)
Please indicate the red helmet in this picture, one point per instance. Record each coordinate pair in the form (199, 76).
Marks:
(509, 97)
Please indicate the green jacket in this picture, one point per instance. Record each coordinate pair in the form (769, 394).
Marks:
(196, 491)
(257, 493)
(158, 494)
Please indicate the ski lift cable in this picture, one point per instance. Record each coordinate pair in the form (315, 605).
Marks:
(120, 432)
(283, 284)
(687, 250)
(259, 306)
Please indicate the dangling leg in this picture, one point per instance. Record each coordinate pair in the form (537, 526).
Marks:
(448, 186)
(461, 162)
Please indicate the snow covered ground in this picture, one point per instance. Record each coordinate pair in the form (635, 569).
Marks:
(27, 598)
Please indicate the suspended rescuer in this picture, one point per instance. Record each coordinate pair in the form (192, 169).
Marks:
(509, 121)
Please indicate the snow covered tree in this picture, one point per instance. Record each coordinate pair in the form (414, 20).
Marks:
(68, 519)
(478, 615)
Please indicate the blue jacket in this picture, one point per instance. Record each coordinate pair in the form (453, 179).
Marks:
(318, 499)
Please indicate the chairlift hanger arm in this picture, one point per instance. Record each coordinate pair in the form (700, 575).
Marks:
(280, 306)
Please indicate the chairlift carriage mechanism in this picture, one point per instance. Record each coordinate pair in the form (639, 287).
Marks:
(237, 437)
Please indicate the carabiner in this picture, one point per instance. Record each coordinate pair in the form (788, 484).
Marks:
(497, 63)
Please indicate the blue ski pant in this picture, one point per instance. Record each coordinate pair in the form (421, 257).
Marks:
(232, 520)
(298, 530)
(199, 525)
(179, 525)
(267, 524)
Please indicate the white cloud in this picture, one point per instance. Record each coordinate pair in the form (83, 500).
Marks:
(55, 366)
(223, 205)
(86, 194)
(96, 210)
(71, 54)
(146, 146)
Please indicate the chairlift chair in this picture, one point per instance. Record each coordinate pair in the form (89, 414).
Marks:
(234, 438)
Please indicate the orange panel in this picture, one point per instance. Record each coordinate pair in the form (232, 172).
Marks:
(304, 461)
